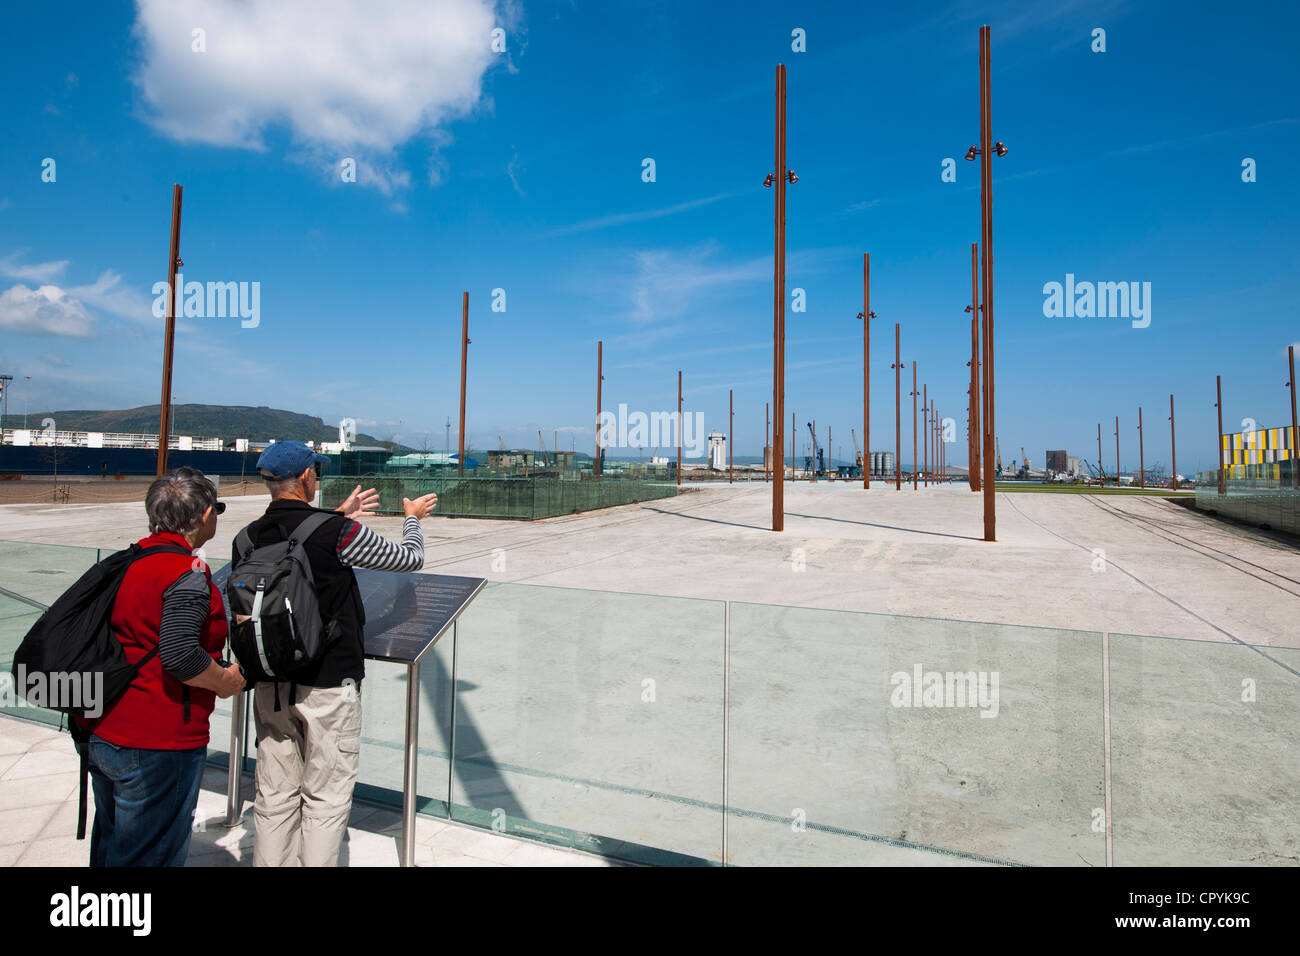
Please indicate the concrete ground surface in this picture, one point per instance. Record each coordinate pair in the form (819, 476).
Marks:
(601, 713)
(38, 819)
(1127, 565)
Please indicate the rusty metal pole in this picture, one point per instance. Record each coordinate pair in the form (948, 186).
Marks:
(767, 441)
(731, 427)
(600, 377)
(1142, 467)
(974, 460)
(794, 431)
(778, 308)
(866, 316)
(1295, 432)
(938, 451)
(925, 436)
(898, 412)
(830, 453)
(1173, 444)
(914, 468)
(464, 364)
(169, 332)
(986, 210)
(679, 428)
(1218, 391)
(1117, 451)
(1101, 469)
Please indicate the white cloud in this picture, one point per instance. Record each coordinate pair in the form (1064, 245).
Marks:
(668, 283)
(512, 170)
(109, 294)
(619, 219)
(47, 309)
(34, 272)
(346, 79)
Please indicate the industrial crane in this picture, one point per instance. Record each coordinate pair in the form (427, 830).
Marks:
(857, 453)
(817, 454)
(542, 441)
(1094, 470)
(999, 444)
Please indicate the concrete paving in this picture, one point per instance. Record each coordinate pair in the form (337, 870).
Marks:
(1120, 564)
(38, 819)
(590, 701)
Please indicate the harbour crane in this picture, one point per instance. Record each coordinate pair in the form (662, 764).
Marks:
(817, 455)
(857, 453)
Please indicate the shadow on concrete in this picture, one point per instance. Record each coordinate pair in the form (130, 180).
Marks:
(888, 527)
(734, 524)
(477, 772)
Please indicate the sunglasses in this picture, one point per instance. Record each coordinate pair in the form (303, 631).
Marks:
(220, 507)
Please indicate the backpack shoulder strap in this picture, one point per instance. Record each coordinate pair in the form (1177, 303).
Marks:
(310, 525)
(244, 542)
(160, 549)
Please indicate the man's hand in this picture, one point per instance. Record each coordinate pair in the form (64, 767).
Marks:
(421, 507)
(222, 681)
(359, 504)
(232, 682)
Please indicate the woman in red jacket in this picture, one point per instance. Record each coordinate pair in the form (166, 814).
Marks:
(147, 751)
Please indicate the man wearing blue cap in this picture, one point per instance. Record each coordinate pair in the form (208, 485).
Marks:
(309, 728)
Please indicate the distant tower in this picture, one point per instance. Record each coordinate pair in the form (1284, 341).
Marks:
(717, 451)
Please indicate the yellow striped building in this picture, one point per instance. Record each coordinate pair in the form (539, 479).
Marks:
(1261, 447)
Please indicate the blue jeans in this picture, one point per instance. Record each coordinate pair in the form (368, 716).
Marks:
(144, 804)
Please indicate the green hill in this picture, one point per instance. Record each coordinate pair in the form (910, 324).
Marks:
(222, 421)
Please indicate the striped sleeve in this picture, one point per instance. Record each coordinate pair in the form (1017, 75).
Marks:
(185, 607)
(359, 547)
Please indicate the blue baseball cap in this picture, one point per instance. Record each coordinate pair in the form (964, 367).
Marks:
(288, 459)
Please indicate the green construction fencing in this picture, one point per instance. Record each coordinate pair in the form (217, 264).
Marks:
(528, 498)
(1265, 495)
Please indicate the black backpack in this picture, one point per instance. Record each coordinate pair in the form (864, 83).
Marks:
(73, 643)
(276, 625)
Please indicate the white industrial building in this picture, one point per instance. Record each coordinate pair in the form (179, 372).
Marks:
(717, 451)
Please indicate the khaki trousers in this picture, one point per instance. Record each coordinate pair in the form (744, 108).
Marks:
(307, 754)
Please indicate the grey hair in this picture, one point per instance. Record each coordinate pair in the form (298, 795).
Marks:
(176, 501)
(279, 487)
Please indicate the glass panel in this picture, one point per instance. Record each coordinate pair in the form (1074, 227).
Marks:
(835, 758)
(42, 571)
(383, 732)
(16, 619)
(1205, 752)
(501, 496)
(593, 719)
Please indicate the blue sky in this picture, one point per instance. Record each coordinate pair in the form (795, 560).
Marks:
(523, 171)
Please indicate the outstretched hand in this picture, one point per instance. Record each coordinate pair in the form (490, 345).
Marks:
(360, 503)
(421, 507)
